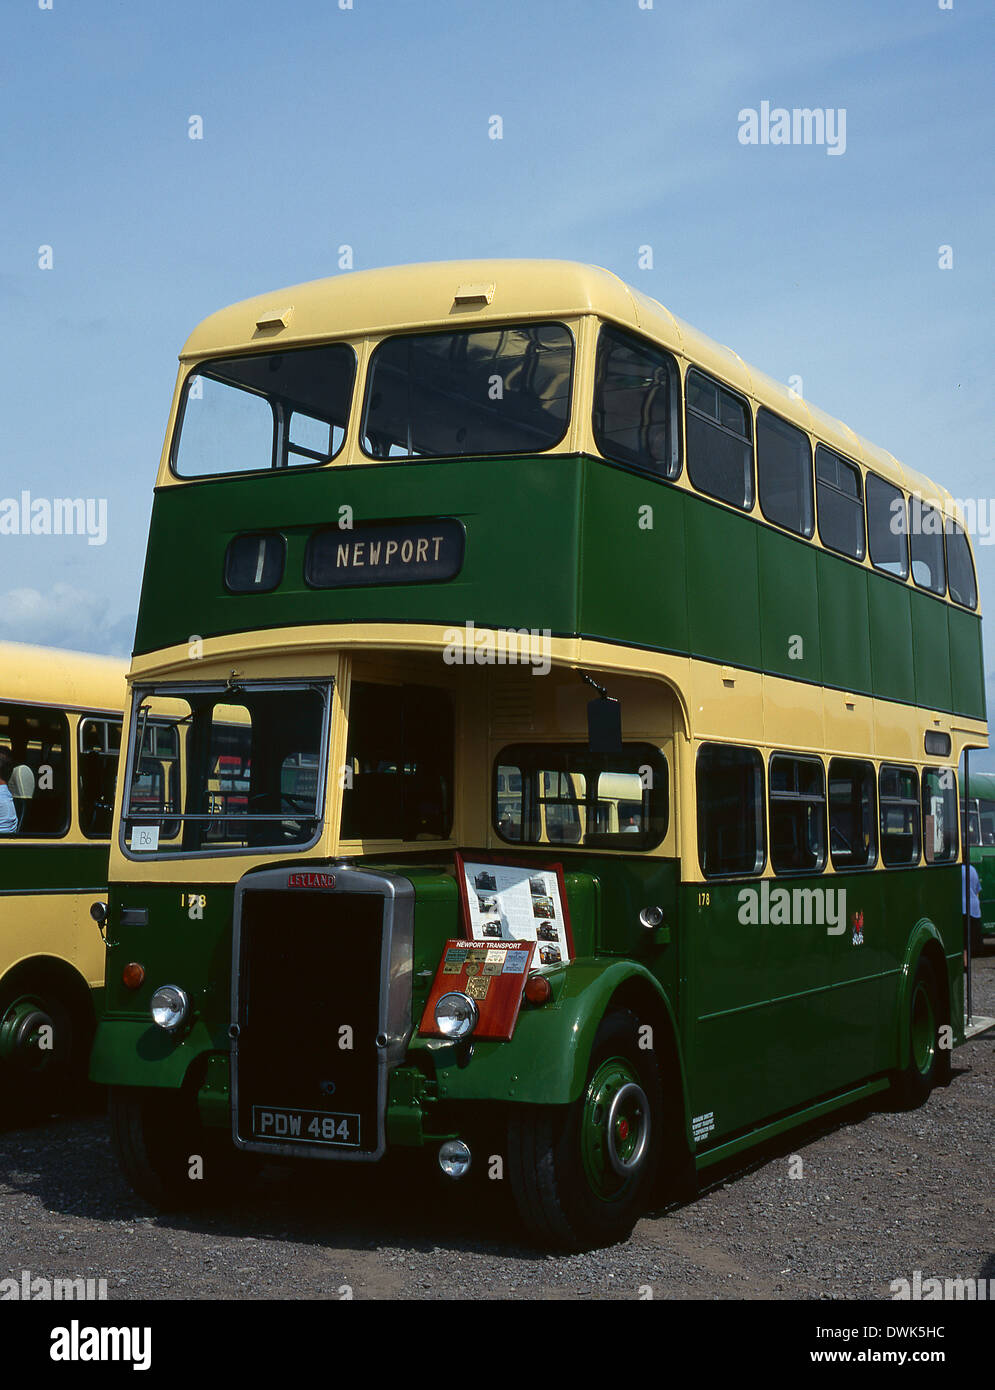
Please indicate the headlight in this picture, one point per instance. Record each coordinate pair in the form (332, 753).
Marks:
(170, 1007)
(455, 1015)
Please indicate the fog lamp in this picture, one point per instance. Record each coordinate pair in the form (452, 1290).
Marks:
(454, 1158)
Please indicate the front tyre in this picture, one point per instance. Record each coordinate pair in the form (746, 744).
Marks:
(582, 1174)
(167, 1156)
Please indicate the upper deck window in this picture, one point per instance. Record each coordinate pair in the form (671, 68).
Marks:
(784, 474)
(926, 540)
(476, 391)
(636, 404)
(720, 441)
(270, 410)
(841, 503)
(960, 569)
(886, 528)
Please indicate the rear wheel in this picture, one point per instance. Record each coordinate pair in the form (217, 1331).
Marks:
(927, 1063)
(582, 1174)
(167, 1156)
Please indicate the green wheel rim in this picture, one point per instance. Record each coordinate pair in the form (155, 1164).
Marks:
(21, 1034)
(923, 1030)
(615, 1130)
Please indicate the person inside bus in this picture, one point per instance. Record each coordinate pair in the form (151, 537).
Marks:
(8, 812)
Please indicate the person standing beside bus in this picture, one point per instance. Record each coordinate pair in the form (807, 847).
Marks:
(8, 812)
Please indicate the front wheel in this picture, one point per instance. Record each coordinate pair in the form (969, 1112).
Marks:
(167, 1156)
(582, 1174)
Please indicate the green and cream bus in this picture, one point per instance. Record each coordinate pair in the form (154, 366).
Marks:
(423, 510)
(60, 729)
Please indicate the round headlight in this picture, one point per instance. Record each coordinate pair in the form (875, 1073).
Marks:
(169, 1006)
(455, 1015)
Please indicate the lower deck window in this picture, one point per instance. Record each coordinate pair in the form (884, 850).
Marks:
(852, 818)
(797, 815)
(563, 794)
(731, 836)
(37, 743)
(939, 815)
(899, 798)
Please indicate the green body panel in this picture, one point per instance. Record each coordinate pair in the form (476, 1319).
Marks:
(931, 652)
(746, 1054)
(844, 633)
(779, 1014)
(753, 587)
(53, 867)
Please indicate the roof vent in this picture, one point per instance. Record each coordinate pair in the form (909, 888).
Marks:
(275, 319)
(474, 294)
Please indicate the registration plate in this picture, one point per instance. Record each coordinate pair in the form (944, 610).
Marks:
(305, 1126)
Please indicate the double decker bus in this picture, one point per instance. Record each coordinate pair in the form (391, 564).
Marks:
(423, 511)
(60, 737)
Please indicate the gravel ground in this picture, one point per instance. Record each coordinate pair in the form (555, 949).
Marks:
(881, 1194)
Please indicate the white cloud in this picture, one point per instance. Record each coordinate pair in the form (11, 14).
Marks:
(65, 616)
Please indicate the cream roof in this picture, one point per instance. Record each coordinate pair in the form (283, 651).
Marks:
(65, 679)
(398, 298)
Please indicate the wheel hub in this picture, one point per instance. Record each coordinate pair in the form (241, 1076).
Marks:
(21, 1034)
(615, 1132)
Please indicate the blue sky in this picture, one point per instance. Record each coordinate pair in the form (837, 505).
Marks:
(369, 126)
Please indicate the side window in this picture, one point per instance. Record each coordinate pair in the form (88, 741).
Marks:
(99, 747)
(784, 474)
(797, 815)
(719, 441)
(637, 404)
(939, 815)
(563, 794)
(960, 568)
(886, 527)
(926, 540)
(853, 836)
(400, 757)
(840, 503)
(987, 817)
(731, 837)
(898, 794)
(36, 742)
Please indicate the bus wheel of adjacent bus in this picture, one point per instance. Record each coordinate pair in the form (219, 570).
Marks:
(926, 1059)
(167, 1156)
(582, 1174)
(44, 1048)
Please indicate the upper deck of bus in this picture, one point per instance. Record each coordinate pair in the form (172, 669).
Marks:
(569, 514)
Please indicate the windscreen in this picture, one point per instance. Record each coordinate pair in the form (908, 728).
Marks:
(251, 769)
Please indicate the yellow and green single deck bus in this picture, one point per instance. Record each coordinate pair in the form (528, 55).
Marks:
(404, 520)
(60, 729)
(980, 826)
